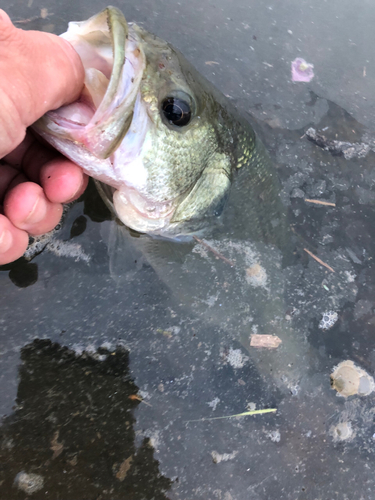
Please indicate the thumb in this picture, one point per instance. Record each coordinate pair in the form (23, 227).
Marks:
(39, 72)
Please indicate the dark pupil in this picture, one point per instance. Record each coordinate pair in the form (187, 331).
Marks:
(176, 111)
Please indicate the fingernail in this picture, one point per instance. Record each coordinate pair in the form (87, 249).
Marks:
(6, 240)
(4, 18)
(38, 212)
(77, 191)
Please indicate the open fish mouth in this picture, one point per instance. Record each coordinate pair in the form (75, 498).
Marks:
(114, 65)
(104, 130)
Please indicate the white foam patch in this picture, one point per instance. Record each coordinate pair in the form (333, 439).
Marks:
(274, 436)
(68, 249)
(222, 457)
(328, 320)
(213, 404)
(235, 358)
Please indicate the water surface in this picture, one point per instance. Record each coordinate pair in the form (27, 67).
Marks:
(173, 323)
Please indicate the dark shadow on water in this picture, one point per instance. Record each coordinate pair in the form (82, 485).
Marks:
(23, 273)
(73, 429)
(94, 206)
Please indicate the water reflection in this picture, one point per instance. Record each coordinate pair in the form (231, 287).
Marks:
(72, 432)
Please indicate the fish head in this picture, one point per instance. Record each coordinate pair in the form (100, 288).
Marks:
(148, 125)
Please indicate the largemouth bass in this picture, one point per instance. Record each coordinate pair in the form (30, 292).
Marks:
(164, 140)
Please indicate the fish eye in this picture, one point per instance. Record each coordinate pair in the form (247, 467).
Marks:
(176, 111)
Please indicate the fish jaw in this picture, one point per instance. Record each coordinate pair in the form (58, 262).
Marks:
(90, 130)
(141, 215)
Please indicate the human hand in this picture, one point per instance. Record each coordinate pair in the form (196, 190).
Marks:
(39, 72)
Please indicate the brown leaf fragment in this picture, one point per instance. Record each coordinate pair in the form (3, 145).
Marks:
(135, 397)
(267, 341)
(124, 468)
(56, 447)
(73, 462)
(210, 63)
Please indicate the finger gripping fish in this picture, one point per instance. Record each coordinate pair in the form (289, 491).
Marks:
(150, 127)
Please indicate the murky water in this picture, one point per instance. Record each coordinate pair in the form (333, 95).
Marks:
(172, 324)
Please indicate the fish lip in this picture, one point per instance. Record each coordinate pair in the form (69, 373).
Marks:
(101, 134)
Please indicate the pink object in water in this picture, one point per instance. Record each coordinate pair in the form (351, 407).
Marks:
(302, 71)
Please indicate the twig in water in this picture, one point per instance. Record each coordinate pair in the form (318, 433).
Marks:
(215, 252)
(245, 414)
(135, 397)
(320, 202)
(26, 21)
(318, 260)
(44, 14)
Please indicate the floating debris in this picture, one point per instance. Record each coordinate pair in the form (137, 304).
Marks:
(235, 358)
(343, 431)
(68, 249)
(29, 483)
(302, 71)
(321, 202)
(319, 260)
(222, 457)
(328, 320)
(124, 468)
(215, 252)
(267, 341)
(353, 256)
(274, 436)
(213, 404)
(348, 379)
(341, 148)
(244, 414)
(56, 446)
(135, 397)
(256, 275)
(44, 14)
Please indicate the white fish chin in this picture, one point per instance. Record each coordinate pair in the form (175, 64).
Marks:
(141, 215)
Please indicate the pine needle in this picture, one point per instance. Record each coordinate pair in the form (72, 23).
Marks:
(245, 414)
(321, 202)
(215, 252)
(319, 260)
